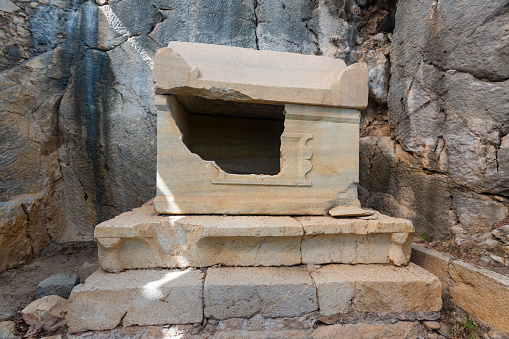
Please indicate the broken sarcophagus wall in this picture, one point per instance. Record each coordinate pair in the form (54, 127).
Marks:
(243, 131)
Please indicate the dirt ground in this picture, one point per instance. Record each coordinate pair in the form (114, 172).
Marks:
(17, 285)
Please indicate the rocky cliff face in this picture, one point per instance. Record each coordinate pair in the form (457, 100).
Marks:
(445, 160)
(78, 122)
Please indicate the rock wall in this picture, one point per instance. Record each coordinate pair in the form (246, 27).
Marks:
(444, 161)
(78, 122)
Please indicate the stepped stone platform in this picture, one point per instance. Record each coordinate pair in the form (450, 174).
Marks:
(331, 293)
(143, 239)
(258, 174)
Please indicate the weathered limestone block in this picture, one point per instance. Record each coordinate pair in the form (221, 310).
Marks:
(435, 262)
(47, 313)
(376, 288)
(246, 75)
(143, 239)
(364, 330)
(482, 293)
(242, 131)
(139, 297)
(353, 241)
(236, 292)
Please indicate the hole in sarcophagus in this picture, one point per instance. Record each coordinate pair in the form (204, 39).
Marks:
(241, 138)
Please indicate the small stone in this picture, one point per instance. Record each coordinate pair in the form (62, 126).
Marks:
(7, 330)
(488, 244)
(506, 249)
(457, 230)
(444, 329)
(350, 211)
(101, 2)
(494, 335)
(47, 313)
(502, 233)
(461, 240)
(58, 284)
(8, 6)
(434, 325)
(481, 237)
(497, 259)
(486, 260)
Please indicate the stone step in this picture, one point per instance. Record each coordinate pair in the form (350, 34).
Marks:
(266, 329)
(143, 239)
(330, 293)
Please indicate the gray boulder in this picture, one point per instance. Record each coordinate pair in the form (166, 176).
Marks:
(58, 284)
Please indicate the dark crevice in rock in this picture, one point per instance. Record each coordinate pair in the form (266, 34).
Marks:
(25, 210)
(255, 9)
(481, 77)
(314, 34)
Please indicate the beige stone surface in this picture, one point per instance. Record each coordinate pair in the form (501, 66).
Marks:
(235, 292)
(332, 240)
(350, 211)
(376, 288)
(318, 165)
(399, 329)
(46, 313)
(143, 239)
(482, 293)
(432, 261)
(138, 297)
(328, 225)
(262, 132)
(362, 330)
(259, 76)
(345, 248)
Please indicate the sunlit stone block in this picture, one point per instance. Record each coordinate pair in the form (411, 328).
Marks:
(242, 131)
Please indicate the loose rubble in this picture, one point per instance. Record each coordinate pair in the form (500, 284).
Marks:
(47, 313)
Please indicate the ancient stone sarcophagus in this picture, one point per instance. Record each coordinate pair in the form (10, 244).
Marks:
(242, 131)
(270, 142)
(254, 132)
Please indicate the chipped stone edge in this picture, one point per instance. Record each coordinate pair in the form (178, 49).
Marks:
(442, 265)
(398, 252)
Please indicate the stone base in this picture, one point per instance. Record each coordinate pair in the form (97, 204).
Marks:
(331, 294)
(262, 329)
(143, 239)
